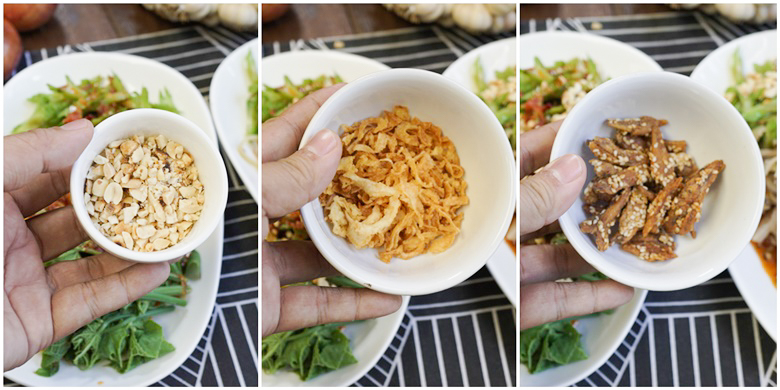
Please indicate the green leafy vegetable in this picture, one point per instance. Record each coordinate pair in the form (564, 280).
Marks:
(251, 104)
(556, 343)
(550, 345)
(312, 351)
(125, 338)
(750, 97)
(309, 352)
(94, 99)
(499, 94)
(276, 100)
(547, 93)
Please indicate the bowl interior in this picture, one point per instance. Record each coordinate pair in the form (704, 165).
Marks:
(484, 154)
(150, 122)
(713, 130)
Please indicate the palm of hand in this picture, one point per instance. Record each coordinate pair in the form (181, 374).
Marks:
(28, 316)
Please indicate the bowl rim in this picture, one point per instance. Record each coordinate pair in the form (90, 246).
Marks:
(338, 260)
(588, 36)
(307, 54)
(78, 178)
(729, 46)
(584, 246)
(218, 114)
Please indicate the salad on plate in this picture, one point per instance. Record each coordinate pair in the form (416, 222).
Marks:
(127, 337)
(754, 95)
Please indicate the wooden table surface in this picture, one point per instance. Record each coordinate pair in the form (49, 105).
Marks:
(79, 23)
(306, 21)
(543, 11)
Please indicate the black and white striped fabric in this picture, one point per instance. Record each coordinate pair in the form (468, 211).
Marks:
(227, 353)
(704, 335)
(464, 336)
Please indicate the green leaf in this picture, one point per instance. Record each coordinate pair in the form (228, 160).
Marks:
(114, 343)
(550, 345)
(192, 269)
(50, 362)
(86, 343)
(308, 352)
(736, 68)
(343, 281)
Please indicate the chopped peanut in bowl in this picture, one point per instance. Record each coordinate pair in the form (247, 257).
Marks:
(647, 186)
(144, 193)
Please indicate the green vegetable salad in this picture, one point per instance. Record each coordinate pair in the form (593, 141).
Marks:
(500, 94)
(249, 147)
(556, 343)
(316, 350)
(547, 94)
(276, 100)
(129, 336)
(755, 96)
(312, 351)
(94, 99)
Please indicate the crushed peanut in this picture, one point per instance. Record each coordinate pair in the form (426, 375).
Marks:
(144, 193)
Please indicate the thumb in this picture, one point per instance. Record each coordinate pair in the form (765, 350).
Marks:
(293, 181)
(546, 195)
(31, 153)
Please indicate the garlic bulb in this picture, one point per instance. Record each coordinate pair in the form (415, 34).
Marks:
(737, 13)
(472, 17)
(239, 17)
(184, 13)
(422, 13)
(475, 18)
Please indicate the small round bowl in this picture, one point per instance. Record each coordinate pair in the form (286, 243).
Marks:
(484, 153)
(714, 130)
(211, 170)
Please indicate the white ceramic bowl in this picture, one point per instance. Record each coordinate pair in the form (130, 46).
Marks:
(495, 56)
(484, 154)
(149, 121)
(714, 130)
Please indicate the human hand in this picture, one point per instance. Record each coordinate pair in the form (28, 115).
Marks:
(43, 305)
(292, 178)
(544, 197)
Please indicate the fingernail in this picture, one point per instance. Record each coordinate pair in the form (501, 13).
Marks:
(76, 125)
(323, 142)
(566, 168)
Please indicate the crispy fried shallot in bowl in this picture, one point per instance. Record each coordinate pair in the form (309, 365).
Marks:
(715, 136)
(476, 193)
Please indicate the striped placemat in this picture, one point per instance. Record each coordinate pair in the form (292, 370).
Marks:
(227, 353)
(464, 336)
(704, 335)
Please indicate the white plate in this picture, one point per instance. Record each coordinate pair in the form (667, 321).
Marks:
(495, 56)
(613, 58)
(603, 334)
(369, 340)
(300, 65)
(714, 72)
(135, 72)
(227, 96)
